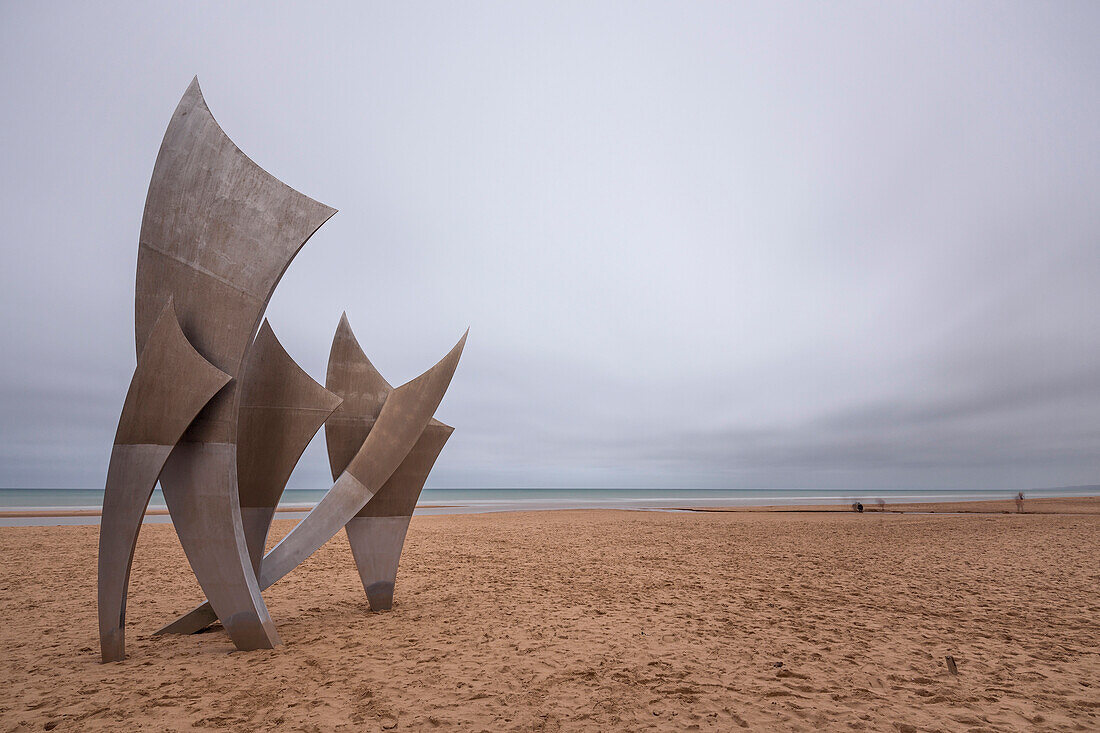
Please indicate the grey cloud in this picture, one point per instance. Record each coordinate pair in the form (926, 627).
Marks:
(763, 244)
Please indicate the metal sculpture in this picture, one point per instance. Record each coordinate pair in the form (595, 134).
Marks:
(171, 383)
(282, 408)
(219, 413)
(377, 532)
(402, 420)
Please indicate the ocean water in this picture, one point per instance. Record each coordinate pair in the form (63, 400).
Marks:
(440, 501)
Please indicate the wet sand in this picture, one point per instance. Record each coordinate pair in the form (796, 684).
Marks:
(1068, 505)
(594, 620)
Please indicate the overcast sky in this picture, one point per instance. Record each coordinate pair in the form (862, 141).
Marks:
(698, 245)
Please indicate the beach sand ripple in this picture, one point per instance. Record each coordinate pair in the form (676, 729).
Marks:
(593, 620)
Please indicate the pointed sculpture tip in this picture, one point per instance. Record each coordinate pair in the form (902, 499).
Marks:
(344, 333)
(192, 97)
(328, 212)
(461, 343)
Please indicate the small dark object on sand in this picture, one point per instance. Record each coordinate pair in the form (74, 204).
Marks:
(951, 665)
(857, 507)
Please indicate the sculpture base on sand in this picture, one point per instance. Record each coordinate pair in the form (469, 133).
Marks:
(376, 544)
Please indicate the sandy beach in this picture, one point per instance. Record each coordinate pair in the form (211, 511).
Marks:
(595, 620)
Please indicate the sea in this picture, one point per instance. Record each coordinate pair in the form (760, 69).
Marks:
(297, 502)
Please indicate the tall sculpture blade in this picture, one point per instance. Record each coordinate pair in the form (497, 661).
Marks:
(282, 408)
(403, 418)
(171, 383)
(364, 390)
(377, 532)
(400, 424)
(217, 235)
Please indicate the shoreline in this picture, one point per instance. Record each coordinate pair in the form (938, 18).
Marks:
(45, 512)
(1060, 505)
(1037, 505)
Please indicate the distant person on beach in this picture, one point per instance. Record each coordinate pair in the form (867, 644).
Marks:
(1020, 503)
